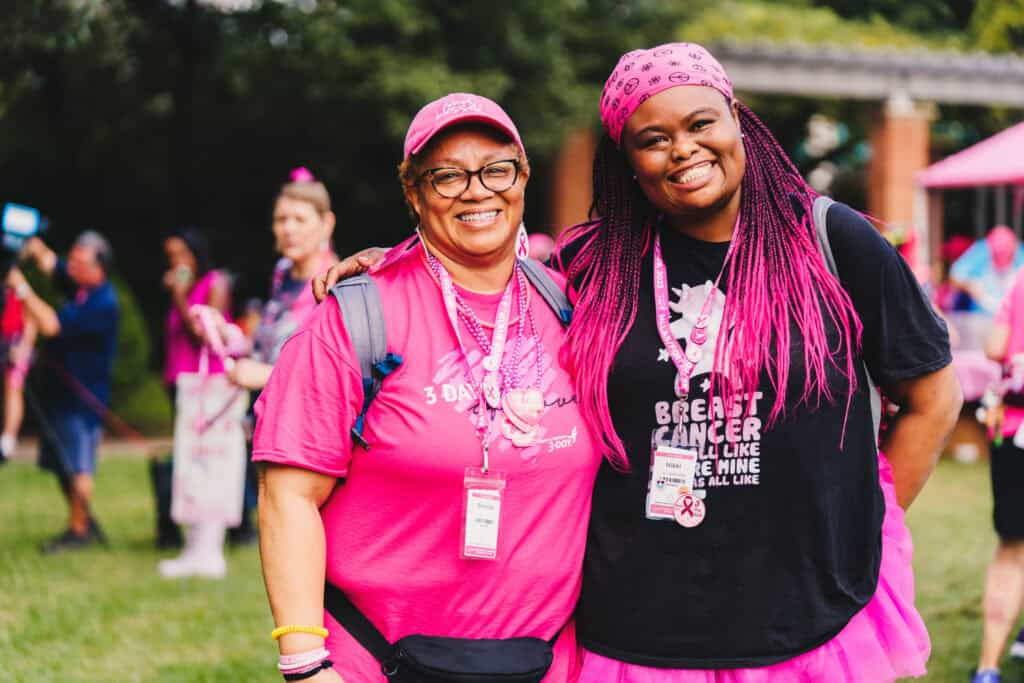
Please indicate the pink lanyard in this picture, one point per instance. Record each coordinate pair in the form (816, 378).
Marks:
(685, 361)
(490, 388)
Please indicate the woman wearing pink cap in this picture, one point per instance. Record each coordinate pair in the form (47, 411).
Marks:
(745, 526)
(464, 513)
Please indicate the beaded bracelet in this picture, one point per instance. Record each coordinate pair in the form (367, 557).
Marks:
(324, 665)
(313, 630)
(290, 663)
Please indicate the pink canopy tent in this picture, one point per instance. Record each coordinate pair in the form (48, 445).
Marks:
(998, 160)
(995, 166)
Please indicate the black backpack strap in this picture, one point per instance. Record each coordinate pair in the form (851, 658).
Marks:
(363, 315)
(820, 210)
(356, 623)
(552, 294)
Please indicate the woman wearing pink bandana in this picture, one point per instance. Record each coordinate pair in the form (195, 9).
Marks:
(745, 527)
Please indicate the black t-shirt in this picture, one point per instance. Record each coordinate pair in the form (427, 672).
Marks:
(790, 546)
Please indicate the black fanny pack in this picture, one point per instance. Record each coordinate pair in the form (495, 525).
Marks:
(435, 659)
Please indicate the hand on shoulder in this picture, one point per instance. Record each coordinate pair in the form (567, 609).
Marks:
(350, 266)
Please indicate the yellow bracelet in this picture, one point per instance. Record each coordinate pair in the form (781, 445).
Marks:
(313, 630)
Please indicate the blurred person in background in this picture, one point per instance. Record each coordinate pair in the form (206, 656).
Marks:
(978, 281)
(80, 354)
(302, 223)
(17, 342)
(946, 296)
(248, 318)
(190, 281)
(1004, 584)
(984, 272)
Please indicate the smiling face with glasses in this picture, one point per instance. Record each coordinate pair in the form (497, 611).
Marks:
(468, 188)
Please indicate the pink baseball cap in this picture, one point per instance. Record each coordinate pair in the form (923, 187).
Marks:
(457, 107)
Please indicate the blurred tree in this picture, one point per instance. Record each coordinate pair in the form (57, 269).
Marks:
(927, 16)
(132, 116)
(798, 22)
(137, 393)
(998, 25)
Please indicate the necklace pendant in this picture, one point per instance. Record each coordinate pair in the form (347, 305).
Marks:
(520, 438)
(523, 407)
(492, 390)
(698, 335)
(490, 363)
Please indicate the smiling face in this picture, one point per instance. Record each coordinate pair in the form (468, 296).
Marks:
(685, 148)
(479, 226)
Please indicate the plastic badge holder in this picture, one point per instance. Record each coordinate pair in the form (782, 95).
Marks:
(483, 495)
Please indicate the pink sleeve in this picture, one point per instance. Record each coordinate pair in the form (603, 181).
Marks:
(1006, 306)
(306, 411)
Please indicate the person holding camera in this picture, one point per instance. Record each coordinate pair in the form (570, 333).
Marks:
(83, 336)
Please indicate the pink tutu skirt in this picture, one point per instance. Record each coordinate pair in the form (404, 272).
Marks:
(884, 641)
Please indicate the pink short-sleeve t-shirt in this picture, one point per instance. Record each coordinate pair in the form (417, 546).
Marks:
(1011, 314)
(393, 527)
(183, 352)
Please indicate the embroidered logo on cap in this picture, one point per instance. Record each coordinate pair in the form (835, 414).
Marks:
(458, 107)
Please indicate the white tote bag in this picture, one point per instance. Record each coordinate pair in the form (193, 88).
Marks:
(209, 450)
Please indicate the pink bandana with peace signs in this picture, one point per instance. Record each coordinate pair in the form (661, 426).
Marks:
(641, 74)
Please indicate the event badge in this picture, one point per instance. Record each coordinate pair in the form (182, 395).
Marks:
(672, 474)
(483, 495)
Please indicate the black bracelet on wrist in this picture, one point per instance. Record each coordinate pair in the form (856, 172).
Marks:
(326, 664)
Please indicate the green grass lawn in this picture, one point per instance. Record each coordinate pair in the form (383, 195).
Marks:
(953, 543)
(106, 617)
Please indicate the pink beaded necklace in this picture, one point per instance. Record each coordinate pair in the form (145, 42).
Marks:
(500, 386)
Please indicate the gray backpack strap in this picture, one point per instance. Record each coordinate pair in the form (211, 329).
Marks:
(820, 211)
(552, 294)
(363, 315)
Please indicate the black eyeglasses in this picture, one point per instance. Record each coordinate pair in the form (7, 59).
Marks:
(451, 181)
